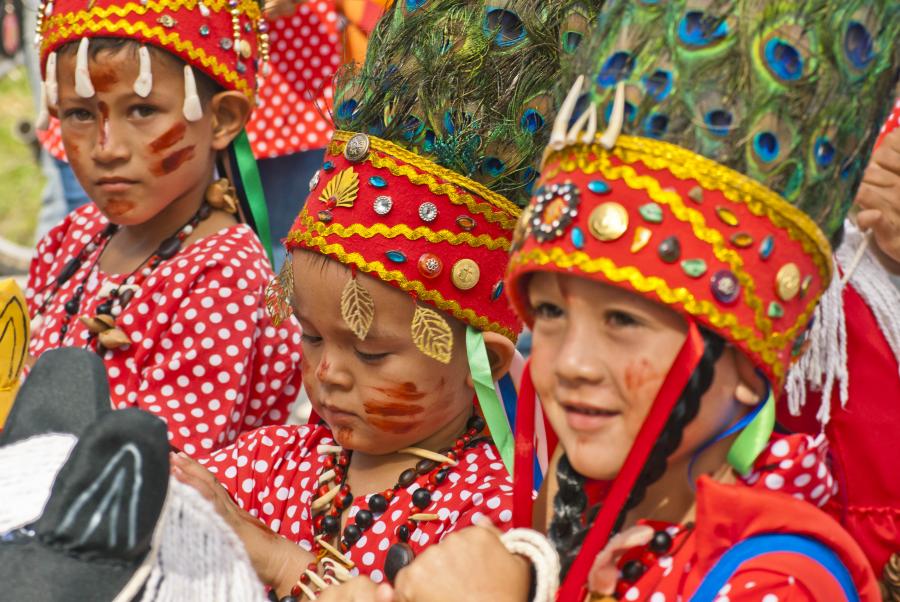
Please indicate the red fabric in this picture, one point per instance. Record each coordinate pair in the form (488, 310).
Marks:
(51, 139)
(893, 122)
(863, 435)
(358, 236)
(176, 27)
(273, 472)
(295, 99)
(745, 322)
(778, 496)
(205, 356)
(676, 379)
(523, 465)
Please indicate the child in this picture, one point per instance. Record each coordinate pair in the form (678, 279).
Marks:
(157, 275)
(397, 265)
(666, 303)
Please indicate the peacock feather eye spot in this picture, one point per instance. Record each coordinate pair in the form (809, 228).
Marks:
(656, 124)
(630, 111)
(858, 45)
(492, 166)
(529, 177)
(412, 5)
(616, 68)
(347, 109)
(504, 26)
(428, 142)
(824, 153)
(698, 29)
(766, 146)
(784, 60)
(718, 121)
(412, 127)
(570, 41)
(531, 121)
(658, 84)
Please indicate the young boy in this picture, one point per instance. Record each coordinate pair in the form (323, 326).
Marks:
(157, 274)
(397, 267)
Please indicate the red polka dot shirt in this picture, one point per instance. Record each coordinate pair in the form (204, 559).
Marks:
(204, 356)
(273, 472)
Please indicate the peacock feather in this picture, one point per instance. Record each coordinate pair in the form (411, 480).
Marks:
(468, 84)
(790, 92)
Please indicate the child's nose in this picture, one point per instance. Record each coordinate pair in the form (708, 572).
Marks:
(111, 143)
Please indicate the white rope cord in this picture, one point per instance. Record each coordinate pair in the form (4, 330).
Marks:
(537, 549)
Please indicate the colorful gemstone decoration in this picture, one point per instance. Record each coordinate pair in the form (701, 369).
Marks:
(357, 148)
(696, 194)
(325, 216)
(804, 286)
(396, 256)
(383, 204)
(204, 30)
(465, 222)
(428, 211)
(669, 250)
(608, 221)
(651, 212)
(341, 190)
(787, 281)
(598, 187)
(727, 216)
(497, 291)
(430, 265)
(167, 21)
(465, 274)
(377, 181)
(693, 267)
(775, 310)
(554, 209)
(741, 240)
(225, 43)
(577, 236)
(641, 238)
(725, 287)
(328, 166)
(766, 247)
(314, 181)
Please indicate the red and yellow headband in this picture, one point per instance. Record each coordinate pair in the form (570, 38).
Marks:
(425, 229)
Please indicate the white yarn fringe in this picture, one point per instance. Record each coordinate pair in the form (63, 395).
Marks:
(538, 550)
(27, 471)
(825, 362)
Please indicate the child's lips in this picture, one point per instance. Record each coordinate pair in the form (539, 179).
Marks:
(115, 184)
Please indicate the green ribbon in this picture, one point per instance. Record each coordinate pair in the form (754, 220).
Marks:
(253, 189)
(754, 438)
(491, 406)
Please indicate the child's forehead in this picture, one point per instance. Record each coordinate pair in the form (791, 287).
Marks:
(122, 54)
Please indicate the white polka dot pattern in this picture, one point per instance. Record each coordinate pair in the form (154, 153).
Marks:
(208, 381)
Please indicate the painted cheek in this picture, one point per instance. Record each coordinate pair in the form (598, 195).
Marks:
(638, 375)
(391, 409)
(172, 162)
(405, 391)
(390, 426)
(169, 138)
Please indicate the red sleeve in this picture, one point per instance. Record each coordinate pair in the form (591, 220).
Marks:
(210, 362)
(483, 490)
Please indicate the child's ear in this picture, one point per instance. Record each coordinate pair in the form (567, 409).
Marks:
(751, 384)
(500, 352)
(230, 112)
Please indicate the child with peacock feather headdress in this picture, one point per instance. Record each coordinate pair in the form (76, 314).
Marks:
(676, 245)
(396, 277)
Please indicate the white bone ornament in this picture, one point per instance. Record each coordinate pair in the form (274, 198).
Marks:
(144, 82)
(83, 86)
(52, 85)
(616, 119)
(192, 109)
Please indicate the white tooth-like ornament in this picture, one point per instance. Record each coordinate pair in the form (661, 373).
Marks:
(43, 119)
(591, 130)
(144, 82)
(83, 86)
(574, 132)
(616, 119)
(192, 109)
(558, 135)
(52, 85)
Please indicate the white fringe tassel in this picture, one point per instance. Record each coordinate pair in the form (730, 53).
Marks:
(825, 362)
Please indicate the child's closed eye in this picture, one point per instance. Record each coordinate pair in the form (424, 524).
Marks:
(310, 339)
(371, 357)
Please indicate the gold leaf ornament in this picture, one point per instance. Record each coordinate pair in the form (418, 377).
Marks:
(279, 293)
(432, 335)
(341, 190)
(357, 308)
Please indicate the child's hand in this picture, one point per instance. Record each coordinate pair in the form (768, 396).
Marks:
(277, 561)
(472, 564)
(358, 589)
(275, 9)
(879, 200)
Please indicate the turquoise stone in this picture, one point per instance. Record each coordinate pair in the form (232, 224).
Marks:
(651, 212)
(598, 187)
(498, 290)
(328, 166)
(396, 256)
(775, 310)
(577, 236)
(694, 267)
(377, 182)
(766, 247)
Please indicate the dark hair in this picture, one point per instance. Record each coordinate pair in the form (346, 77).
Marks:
(572, 518)
(206, 86)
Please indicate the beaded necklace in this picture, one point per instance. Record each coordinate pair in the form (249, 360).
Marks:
(334, 497)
